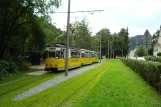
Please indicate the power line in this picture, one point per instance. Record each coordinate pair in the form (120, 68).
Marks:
(90, 11)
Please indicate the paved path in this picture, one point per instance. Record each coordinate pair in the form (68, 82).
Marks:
(38, 73)
(52, 82)
(40, 67)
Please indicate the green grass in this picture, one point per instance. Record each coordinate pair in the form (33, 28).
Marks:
(110, 85)
(15, 76)
(57, 94)
(18, 83)
(121, 87)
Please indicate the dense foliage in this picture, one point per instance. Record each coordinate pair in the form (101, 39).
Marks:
(159, 54)
(26, 29)
(141, 51)
(23, 30)
(17, 18)
(153, 59)
(118, 42)
(149, 71)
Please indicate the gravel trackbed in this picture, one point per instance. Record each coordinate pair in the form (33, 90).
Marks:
(52, 82)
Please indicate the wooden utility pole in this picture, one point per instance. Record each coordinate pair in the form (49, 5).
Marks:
(67, 40)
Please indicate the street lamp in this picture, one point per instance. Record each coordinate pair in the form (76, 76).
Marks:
(67, 40)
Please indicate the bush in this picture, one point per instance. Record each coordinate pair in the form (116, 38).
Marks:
(21, 65)
(159, 54)
(149, 71)
(12, 67)
(7, 67)
(4, 65)
(153, 59)
(141, 51)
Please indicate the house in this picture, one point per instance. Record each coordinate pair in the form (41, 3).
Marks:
(157, 44)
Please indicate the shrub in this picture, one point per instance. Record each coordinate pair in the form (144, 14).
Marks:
(4, 65)
(21, 64)
(153, 59)
(159, 54)
(7, 67)
(149, 71)
(141, 51)
(12, 67)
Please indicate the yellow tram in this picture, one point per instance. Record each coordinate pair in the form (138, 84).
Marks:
(77, 57)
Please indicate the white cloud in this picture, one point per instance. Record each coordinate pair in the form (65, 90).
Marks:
(139, 15)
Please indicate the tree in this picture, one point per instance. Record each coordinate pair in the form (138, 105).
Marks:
(95, 43)
(116, 44)
(141, 51)
(124, 41)
(82, 35)
(105, 36)
(51, 31)
(17, 16)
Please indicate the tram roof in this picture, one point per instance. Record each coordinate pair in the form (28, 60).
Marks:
(88, 50)
(62, 45)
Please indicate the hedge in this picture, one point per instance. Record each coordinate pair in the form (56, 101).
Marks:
(159, 54)
(149, 71)
(153, 59)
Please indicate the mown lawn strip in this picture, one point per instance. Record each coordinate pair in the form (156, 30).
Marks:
(121, 87)
(6, 100)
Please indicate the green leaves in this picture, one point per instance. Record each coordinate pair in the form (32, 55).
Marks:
(141, 51)
(19, 15)
(37, 41)
(149, 71)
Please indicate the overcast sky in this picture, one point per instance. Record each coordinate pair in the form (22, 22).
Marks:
(138, 15)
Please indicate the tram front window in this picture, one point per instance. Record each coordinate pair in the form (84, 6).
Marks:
(57, 54)
(51, 54)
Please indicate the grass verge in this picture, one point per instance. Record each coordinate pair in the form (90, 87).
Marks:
(121, 87)
(60, 94)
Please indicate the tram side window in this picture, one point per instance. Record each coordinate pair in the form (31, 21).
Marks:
(84, 55)
(93, 55)
(75, 54)
(87, 55)
(90, 55)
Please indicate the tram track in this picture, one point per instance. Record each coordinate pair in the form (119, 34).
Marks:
(7, 92)
(59, 87)
(67, 99)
